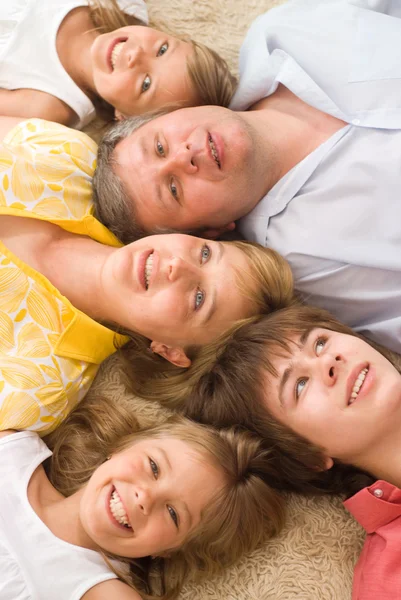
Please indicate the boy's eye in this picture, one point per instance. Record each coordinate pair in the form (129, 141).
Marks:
(301, 383)
(163, 49)
(146, 84)
(154, 468)
(159, 148)
(199, 299)
(320, 343)
(173, 515)
(205, 253)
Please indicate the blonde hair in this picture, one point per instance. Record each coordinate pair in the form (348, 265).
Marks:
(208, 72)
(267, 283)
(235, 522)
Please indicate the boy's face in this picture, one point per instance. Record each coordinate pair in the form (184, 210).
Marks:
(138, 69)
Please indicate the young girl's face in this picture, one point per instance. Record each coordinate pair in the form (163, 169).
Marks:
(337, 392)
(138, 69)
(147, 499)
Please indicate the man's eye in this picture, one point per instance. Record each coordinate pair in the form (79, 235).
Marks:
(163, 49)
(154, 468)
(205, 253)
(174, 190)
(159, 148)
(173, 515)
(146, 84)
(301, 383)
(199, 299)
(320, 344)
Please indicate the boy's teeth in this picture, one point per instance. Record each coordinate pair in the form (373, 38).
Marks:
(148, 269)
(117, 510)
(357, 385)
(116, 51)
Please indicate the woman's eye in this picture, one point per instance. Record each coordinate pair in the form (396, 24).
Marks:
(154, 468)
(174, 190)
(163, 49)
(320, 343)
(199, 299)
(159, 148)
(301, 383)
(205, 253)
(146, 84)
(173, 515)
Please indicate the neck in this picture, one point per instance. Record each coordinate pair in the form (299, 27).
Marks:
(383, 460)
(74, 40)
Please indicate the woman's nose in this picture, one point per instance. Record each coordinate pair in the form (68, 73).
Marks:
(179, 268)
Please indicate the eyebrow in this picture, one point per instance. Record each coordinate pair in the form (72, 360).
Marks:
(303, 340)
(183, 504)
(213, 304)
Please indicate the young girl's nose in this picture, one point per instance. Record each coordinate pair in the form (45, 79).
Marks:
(135, 56)
(143, 499)
(179, 268)
(329, 365)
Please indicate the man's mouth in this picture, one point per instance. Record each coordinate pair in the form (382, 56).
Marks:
(148, 269)
(118, 511)
(358, 385)
(214, 152)
(118, 46)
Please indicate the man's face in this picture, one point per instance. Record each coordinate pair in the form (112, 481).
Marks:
(190, 169)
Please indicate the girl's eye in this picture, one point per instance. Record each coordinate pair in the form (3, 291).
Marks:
(205, 253)
(163, 49)
(146, 84)
(173, 190)
(154, 468)
(159, 148)
(320, 343)
(299, 387)
(199, 299)
(173, 515)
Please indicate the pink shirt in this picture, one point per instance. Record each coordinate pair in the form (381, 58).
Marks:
(378, 571)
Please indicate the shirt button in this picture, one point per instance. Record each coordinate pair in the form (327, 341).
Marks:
(378, 493)
(356, 121)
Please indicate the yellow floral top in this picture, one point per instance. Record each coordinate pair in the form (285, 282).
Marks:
(49, 351)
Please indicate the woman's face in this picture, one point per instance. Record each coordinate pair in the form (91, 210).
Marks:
(147, 499)
(176, 289)
(138, 69)
(337, 392)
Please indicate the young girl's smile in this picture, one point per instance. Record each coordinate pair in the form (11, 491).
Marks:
(148, 498)
(138, 69)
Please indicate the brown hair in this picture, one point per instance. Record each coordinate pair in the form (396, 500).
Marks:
(267, 283)
(232, 391)
(208, 71)
(241, 515)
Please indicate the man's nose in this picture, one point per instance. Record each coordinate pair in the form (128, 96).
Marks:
(135, 56)
(180, 160)
(178, 268)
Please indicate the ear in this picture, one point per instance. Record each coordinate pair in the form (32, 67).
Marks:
(175, 355)
(328, 463)
(212, 234)
(119, 116)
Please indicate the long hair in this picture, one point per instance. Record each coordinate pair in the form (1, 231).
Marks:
(233, 390)
(267, 284)
(241, 515)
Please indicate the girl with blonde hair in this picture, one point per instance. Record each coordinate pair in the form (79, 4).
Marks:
(128, 515)
(99, 55)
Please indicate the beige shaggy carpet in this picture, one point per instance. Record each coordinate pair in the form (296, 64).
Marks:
(313, 558)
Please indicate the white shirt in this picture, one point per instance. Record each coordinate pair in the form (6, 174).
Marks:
(342, 235)
(34, 563)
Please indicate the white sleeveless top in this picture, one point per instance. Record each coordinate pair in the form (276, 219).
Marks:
(28, 55)
(34, 563)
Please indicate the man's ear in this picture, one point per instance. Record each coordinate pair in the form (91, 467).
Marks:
(175, 355)
(119, 115)
(212, 234)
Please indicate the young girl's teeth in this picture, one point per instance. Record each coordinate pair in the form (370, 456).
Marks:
(357, 385)
(117, 510)
(116, 51)
(148, 269)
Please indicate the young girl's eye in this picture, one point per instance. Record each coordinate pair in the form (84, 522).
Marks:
(299, 387)
(146, 84)
(163, 49)
(174, 190)
(173, 515)
(319, 345)
(159, 148)
(154, 468)
(205, 253)
(199, 299)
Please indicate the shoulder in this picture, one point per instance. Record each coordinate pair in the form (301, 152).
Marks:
(111, 589)
(7, 432)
